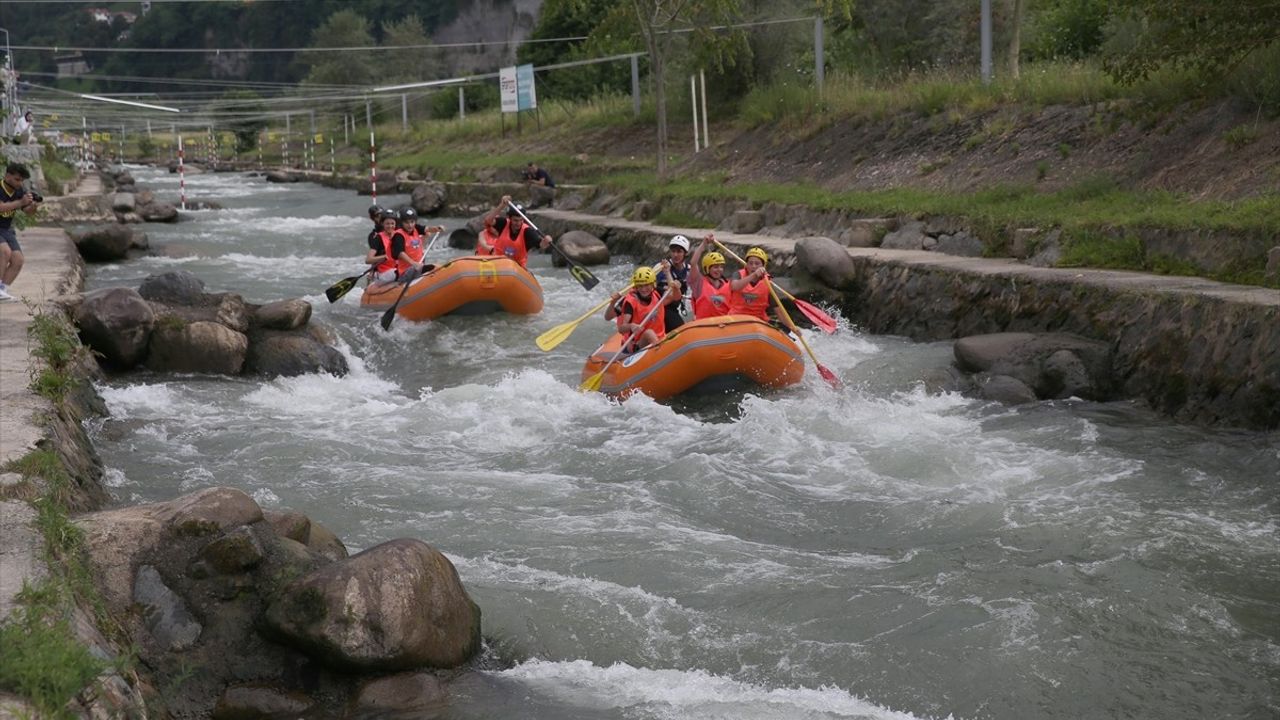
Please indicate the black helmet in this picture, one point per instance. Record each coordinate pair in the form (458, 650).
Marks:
(408, 214)
(375, 210)
(389, 213)
(514, 210)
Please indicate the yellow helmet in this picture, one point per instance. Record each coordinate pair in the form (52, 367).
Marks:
(644, 276)
(756, 252)
(710, 259)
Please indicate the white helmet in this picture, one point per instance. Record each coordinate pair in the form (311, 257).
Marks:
(680, 241)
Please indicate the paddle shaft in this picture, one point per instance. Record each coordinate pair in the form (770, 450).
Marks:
(592, 382)
(558, 334)
(576, 269)
(819, 318)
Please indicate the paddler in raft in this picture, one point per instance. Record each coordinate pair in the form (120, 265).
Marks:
(415, 241)
(751, 290)
(632, 309)
(707, 283)
(517, 238)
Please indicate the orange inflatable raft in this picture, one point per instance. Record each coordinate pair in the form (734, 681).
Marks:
(710, 354)
(472, 285)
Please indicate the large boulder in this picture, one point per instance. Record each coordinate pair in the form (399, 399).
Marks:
(116, 323)
(583, 247)
(261, 702)
(275, 353)
(283, 314)
(198, 347)
(827, 260)
(418, 695)
(122, 202)
(280, 176)
(428, 198)
(178, 287)
(164, 613)
(395, 606)
(158, 212)
(541, 196)
(1053, 365)
(746, 222)
(233, 312)
(908, 236)
(104, 243)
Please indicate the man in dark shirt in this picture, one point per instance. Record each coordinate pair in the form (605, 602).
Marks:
(534, 175)
(12, 199)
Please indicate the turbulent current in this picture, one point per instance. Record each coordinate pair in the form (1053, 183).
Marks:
(885, 551)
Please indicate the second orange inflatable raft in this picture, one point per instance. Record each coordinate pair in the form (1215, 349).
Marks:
(471, 285)
(709, 353)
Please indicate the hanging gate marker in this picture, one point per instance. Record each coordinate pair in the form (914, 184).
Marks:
(182, 176)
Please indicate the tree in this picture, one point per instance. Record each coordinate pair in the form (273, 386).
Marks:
(411, 64)
(1209, 36)
(345, 28)
(247, 126)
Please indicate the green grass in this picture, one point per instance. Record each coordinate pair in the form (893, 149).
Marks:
(57, 174)
(40, 658)
(53, 341)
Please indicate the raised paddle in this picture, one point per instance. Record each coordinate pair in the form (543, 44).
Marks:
(592, 383)
(343, 286)
(825, 322)
(577, 270)
(558, 334)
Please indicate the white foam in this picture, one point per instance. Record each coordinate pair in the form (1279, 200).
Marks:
(689, 694)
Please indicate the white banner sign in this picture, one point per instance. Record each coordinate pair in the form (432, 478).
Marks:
(508, 87)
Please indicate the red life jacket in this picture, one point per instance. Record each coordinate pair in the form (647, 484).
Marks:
(413, 247)
(639, 309)
(513, 248)
(712, 301)
(751, 299)
(389, 263)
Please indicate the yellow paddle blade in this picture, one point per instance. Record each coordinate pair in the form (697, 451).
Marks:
(592, 384)
(556, 335)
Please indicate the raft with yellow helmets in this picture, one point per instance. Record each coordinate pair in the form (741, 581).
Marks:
(470, 285)
(710, 354)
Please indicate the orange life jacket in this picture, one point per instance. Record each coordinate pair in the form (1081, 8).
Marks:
(489, 238)
(638, 309)
(389, 263)
(413, 247)
(513, 248)
(712, 301)
(751, 299)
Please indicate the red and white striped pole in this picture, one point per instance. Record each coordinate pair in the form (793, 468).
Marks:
(182, 176)
(373, 168)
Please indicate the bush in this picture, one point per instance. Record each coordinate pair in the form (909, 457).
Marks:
(1070, 29)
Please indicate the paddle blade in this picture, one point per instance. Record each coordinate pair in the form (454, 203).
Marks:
(830, 377)
(340, 288)
(592, 384)
(556, 335)
(825, 322)
(583, 276)
(388, 316)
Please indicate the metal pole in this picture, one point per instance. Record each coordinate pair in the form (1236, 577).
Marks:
(346, 133)
(373, 168)
(84, 140)
(311, 142)
(148, 129)
(368, 116)
(404, 112)
(462, 103)
(819, 62)
(284, 143)
(986, 41)
(333, 162)
(121, 144)
(635, 85)
(706, 136)
(182, 175)
(693, 90)
(259, 144)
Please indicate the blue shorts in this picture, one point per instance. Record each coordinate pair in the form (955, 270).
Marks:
(10, 238)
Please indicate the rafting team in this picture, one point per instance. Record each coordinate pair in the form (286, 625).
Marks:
(651, 307)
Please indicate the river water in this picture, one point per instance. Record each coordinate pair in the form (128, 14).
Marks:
(885, 551)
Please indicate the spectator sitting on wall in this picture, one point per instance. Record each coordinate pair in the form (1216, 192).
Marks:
(534, 175)
(542, 189)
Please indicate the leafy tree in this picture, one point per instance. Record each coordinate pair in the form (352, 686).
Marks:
(1071, 29)
(1209, 36)
(247, 127)
(412, 64)
(345, 28)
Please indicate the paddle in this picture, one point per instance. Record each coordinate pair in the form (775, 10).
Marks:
(577, 270)
(390, 314)
(824, 321)
(824, 371)
(343, 286)
(592, 383)
(558, 334)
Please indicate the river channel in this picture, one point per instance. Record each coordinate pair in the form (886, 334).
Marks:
(890, 550)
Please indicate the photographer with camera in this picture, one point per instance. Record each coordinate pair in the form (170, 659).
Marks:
(13, 197)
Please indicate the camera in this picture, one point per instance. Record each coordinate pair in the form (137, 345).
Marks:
(36, 196)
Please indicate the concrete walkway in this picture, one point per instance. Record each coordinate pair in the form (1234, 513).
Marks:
(922, 260)
(53, 267)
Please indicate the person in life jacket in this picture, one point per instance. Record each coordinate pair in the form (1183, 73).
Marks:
(386, 249)
(493, 227)
(415, 241)
(710, 288)
(678, 269)
(751, 287)
(518, 238)
(640, 311)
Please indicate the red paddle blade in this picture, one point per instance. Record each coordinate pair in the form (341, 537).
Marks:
(825, 322)
(830, 377)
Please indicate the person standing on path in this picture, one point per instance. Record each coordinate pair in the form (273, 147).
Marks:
(12, 199)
